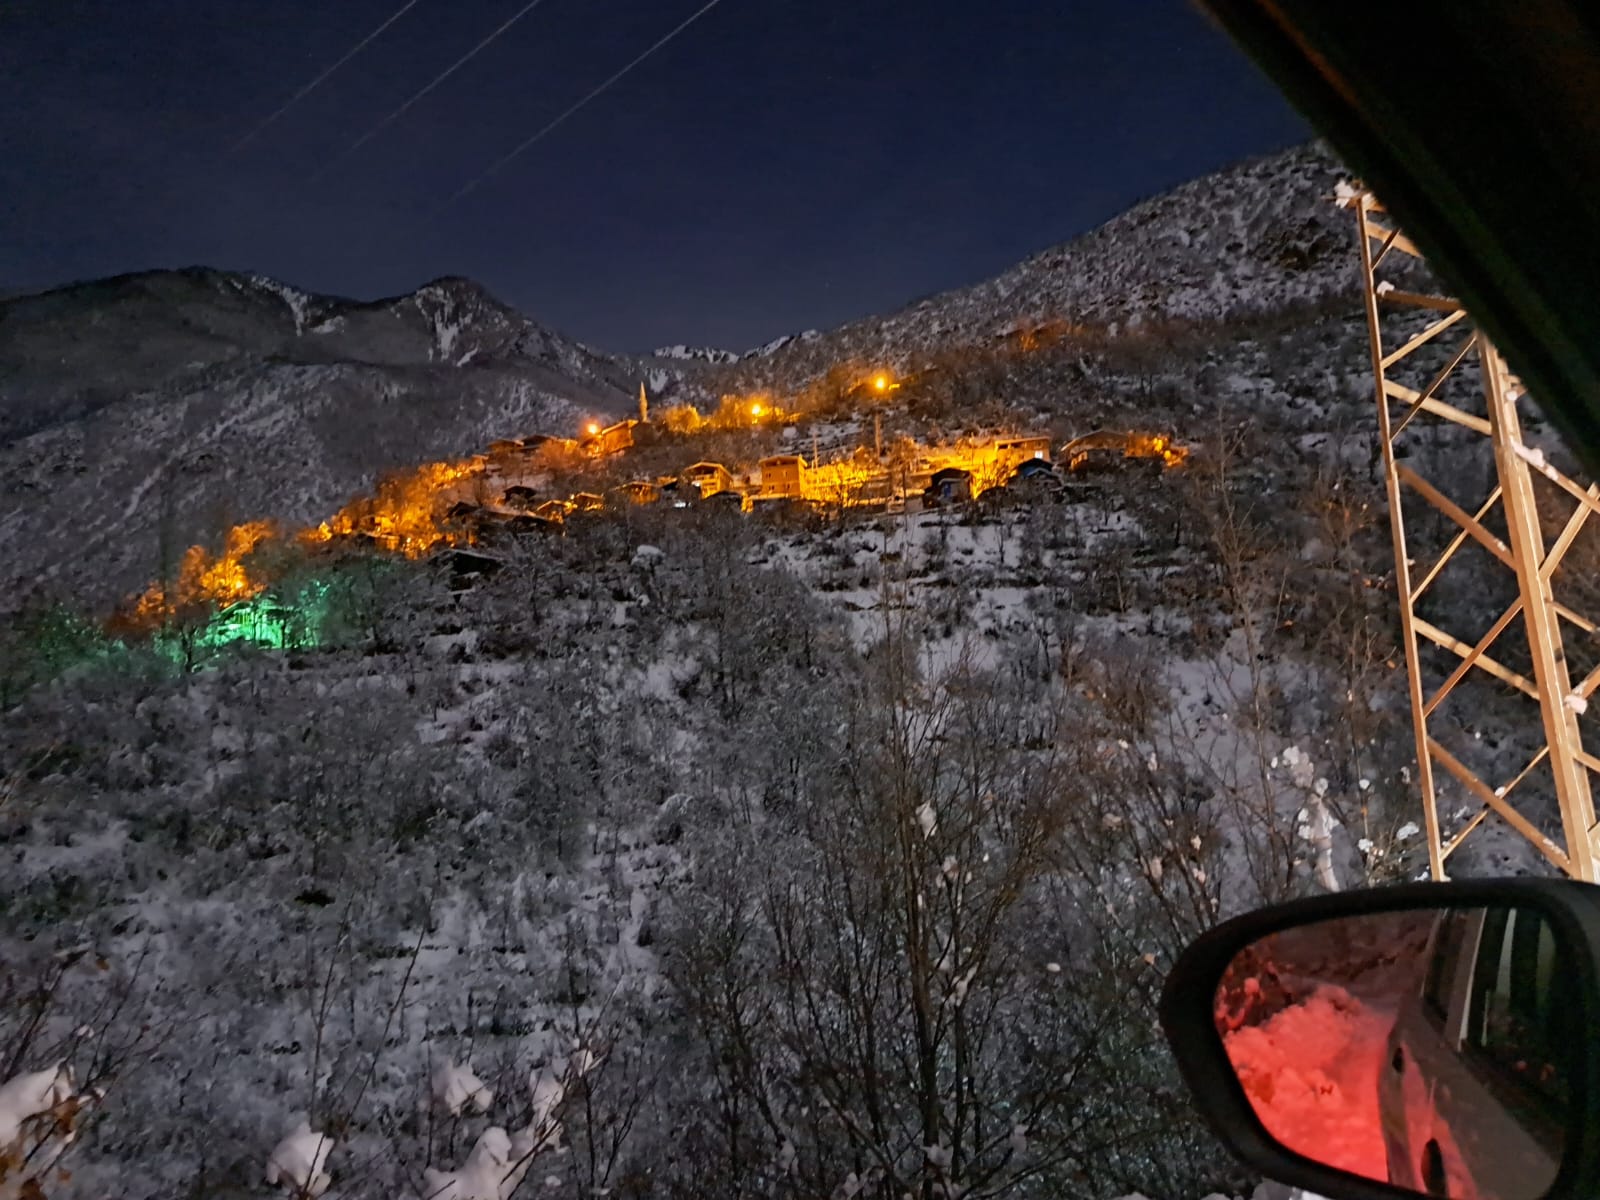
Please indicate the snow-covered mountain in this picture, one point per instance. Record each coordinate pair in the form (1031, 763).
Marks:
(708, 354)
(628, 808)
(70, 352)
(1259, 237)
(150, 410)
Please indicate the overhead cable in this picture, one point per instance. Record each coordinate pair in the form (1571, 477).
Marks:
(320, 79)
(437, 80)
(558, 121)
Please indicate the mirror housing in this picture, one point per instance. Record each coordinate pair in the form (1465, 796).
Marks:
(1189, 1019)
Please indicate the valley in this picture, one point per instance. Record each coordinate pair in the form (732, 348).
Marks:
(417, 767)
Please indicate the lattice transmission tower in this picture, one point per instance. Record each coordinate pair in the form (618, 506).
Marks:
(1442, 387)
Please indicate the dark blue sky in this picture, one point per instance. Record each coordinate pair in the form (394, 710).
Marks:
(784, 164)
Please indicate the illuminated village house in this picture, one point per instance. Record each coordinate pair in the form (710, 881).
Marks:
(948, 485)
(639, 491)
(1098, 450)
(709, 478)
(527, 453)
(611, 439)
(1033, 471)
(783, 475)
(1107, 449)
(1016, 450)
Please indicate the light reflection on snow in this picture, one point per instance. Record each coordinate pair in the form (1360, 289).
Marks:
(1305, 1016)
(1311, 1072)
(1416, 1048)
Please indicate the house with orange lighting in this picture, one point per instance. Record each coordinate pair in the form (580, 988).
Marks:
(611, 438)
(782, 475)
(639, 491)
(708, 478)
(538, 448)
(1106, 449)
(1014, 451)
(1094, 451)
(948, 485)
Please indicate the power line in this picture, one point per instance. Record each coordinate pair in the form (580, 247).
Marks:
(501, 163)
(448, 71)
(315, 83)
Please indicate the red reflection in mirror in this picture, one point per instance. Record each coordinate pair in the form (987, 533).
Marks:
(1420, 1048)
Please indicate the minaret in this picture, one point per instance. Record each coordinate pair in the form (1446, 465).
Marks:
(644, 406)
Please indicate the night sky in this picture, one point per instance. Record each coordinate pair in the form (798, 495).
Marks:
(780, 165)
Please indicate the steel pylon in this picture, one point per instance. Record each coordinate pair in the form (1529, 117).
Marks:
(1412, 330)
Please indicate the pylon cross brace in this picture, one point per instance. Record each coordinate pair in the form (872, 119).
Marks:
(1493, 416)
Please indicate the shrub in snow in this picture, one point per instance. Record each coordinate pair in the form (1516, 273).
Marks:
(454, 1087)
(297, 1163)
(26, 1097)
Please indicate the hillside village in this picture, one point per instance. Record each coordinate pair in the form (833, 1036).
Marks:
(797, 788)
(525, 486)
(515, 479)
(903, 476)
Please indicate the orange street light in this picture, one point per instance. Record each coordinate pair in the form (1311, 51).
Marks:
(880, 382)
(756, 410)
(592, 428)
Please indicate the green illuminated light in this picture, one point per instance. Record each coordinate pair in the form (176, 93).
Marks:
(270, 620)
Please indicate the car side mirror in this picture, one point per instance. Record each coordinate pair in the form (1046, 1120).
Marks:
(1433, 1039)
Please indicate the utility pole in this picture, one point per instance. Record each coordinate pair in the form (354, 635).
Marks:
(1415, 393)
(877, 435)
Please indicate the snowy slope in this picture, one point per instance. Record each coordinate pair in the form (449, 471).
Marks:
(71, 351)
(1259, 237)
(169, 404)
(216, 397)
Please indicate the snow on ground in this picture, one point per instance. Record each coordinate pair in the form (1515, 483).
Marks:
(1311, 1071)
(1312, 1067)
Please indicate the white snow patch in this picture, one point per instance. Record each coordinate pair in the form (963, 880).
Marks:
(455, 1087)
(298, 1162)
(31, 1094)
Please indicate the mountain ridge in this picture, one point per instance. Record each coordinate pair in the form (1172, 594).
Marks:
(1257, 236)
(156, 407)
